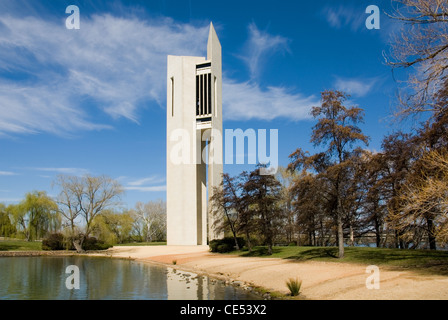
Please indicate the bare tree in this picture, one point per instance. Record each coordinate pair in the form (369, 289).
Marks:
(86, 197)
(225, 199)
(422, 48)
(152, 216)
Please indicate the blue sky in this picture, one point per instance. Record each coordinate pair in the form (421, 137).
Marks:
(92, 101)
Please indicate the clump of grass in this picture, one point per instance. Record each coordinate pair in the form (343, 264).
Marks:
(174, 262)
(294, 286)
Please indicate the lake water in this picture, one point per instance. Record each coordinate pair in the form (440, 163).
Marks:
(44, 278)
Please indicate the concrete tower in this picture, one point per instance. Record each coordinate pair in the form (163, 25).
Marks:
(194, 143)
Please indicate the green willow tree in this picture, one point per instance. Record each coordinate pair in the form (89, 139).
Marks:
(36, 215)
(7, 229)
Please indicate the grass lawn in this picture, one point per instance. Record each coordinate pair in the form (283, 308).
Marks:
(20, 245)
(142, 244)
(435, 262)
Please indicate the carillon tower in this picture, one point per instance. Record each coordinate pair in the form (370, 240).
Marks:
(194, 143)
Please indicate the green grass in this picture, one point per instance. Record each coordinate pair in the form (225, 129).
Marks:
(20, 245)
(294, 286)
(435, 262)
(142, 244)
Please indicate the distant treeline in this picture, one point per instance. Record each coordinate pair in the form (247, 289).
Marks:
(86, 207)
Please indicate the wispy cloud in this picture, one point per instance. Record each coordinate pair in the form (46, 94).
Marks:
(140, 182)
(355, 86)
(68, 171)
(344, 16)
(7, 173)
(113, 67)
(148, 189)
(247, 100)
(259, 46)
(153, 183)
(10, 200)
(111, 64)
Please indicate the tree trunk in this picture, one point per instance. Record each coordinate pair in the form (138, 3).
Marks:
(377, 233)
(249, 245)
(340, 237)
(431, 237)
(78, 246)
(270, 248)
(237, 246)
(352, 236)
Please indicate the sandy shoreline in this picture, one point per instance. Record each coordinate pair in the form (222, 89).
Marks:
(320, 280)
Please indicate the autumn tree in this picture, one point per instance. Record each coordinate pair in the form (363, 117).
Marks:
(423, 200)
(286, 179)
(263, 194)
(310, 203)
(337, 130)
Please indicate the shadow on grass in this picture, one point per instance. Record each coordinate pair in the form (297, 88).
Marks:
(315, 254)
(422, 261)
(260, 252)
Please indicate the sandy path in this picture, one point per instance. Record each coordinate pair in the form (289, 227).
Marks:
(321, 280)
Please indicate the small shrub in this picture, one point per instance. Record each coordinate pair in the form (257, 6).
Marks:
(54, 241)
(294, 286)
(226, 244)
(91, 243)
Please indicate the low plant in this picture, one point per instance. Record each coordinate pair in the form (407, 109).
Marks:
(54, 241)
(225, 245)
(294, 286)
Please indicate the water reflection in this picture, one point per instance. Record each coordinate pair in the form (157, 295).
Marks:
(43, 278)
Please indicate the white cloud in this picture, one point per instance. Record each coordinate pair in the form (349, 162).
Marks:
(148, 184)
(258, 47)
(354, 86)
(345, 16)
(7, 173)
(118, 66)
(147, 189)
(69, 171)
(140, 182)
(247, 100)
(113, 64)
(10, 200)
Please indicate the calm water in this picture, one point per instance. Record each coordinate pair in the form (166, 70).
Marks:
(44, 278)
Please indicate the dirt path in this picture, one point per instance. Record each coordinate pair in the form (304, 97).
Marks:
(321, 280)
